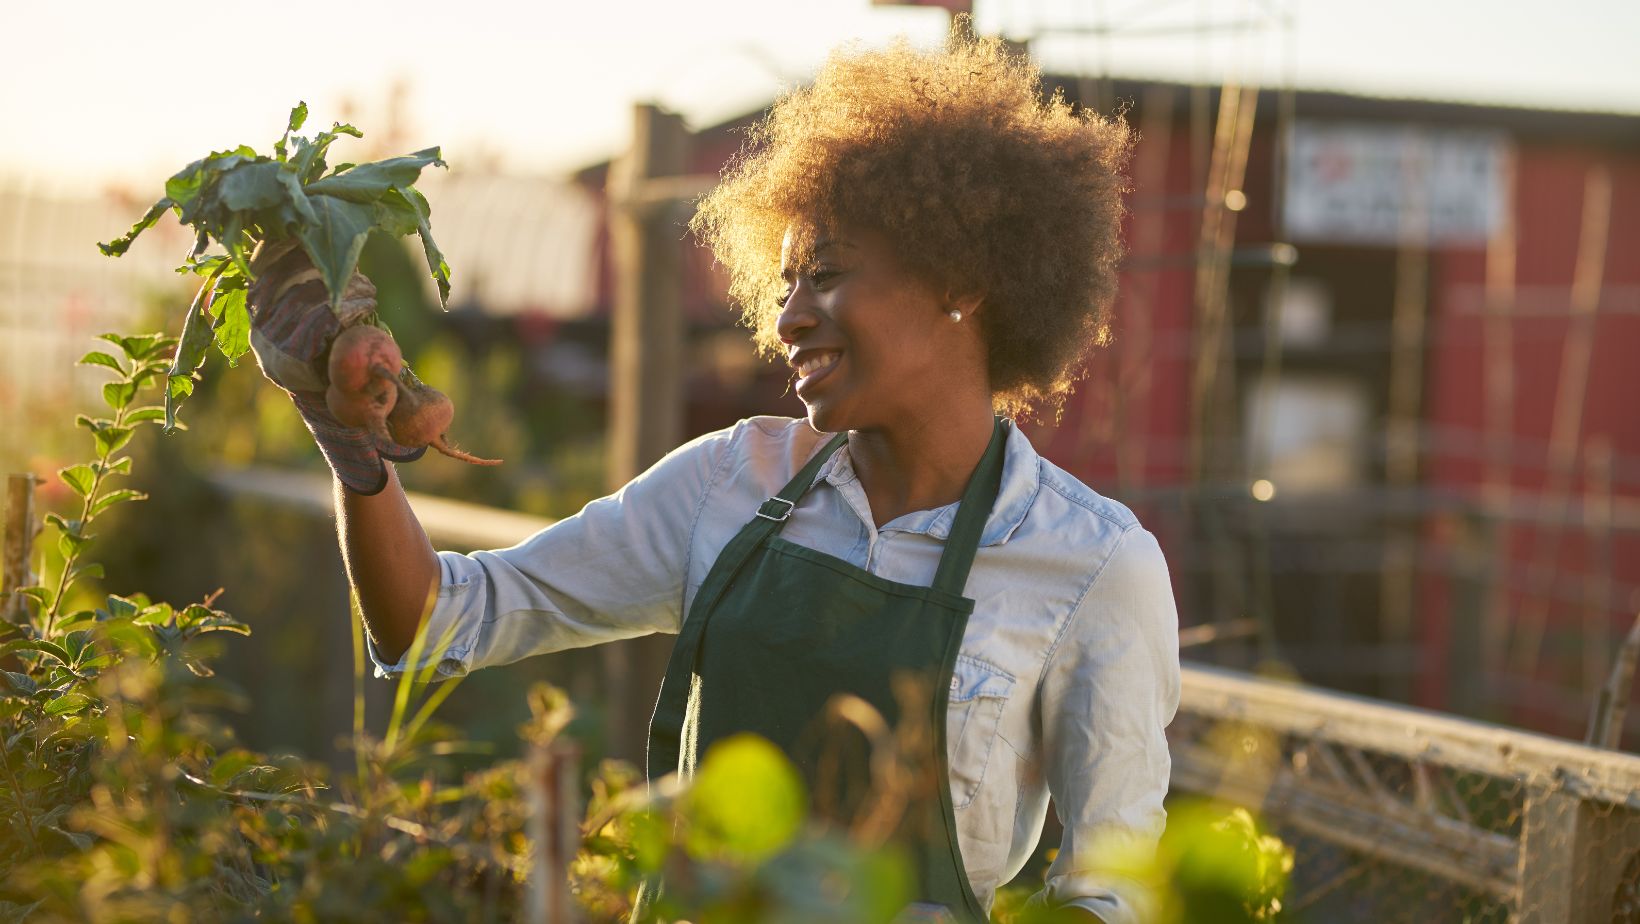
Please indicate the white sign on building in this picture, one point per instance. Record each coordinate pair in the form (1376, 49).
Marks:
(1381, 183)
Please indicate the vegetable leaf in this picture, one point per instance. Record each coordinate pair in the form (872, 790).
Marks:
(335, 240)
(120, 245)
(253, 186)
(233, 324)
(297, 117)
(369, 182)
(435, 258)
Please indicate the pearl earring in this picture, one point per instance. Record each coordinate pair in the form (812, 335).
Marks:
(955, 314)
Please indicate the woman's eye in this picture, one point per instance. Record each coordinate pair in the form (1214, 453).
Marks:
(821, 277)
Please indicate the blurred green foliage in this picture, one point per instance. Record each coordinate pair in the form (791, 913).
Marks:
(127, 796)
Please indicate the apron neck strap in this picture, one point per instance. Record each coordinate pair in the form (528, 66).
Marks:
(780, 506)
(972, 512)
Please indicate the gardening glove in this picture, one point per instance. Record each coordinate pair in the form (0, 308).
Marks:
(292, 326)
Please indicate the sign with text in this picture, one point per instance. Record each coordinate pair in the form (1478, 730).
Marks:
(1381, 183)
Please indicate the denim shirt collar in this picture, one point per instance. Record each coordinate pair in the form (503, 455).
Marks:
(1021, 479)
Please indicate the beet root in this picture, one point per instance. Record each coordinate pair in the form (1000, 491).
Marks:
(367, 408)
(359, 354)
(421, 416)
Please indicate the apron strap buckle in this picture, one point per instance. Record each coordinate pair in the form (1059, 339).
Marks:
(775, 513)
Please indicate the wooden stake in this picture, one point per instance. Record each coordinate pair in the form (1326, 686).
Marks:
(20, 530)
(1226, 170)
(1567, 424)
(1498, 373)
(1597, 517)
(1410, 308)
(646, 369)
(555, 830)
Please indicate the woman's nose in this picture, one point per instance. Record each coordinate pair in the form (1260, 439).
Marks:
(795, 318)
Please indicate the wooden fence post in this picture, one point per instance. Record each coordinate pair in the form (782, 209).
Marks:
(19, 543)
(1574, 856)
(555, 830)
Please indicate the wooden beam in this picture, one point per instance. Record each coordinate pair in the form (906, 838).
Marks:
(447, 522)
(1411, 733)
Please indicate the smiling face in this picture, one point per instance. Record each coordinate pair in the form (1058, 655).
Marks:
(873, 345)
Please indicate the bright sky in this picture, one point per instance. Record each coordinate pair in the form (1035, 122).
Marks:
(102, 91)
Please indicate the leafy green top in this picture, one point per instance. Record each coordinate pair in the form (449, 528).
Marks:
(240, 199)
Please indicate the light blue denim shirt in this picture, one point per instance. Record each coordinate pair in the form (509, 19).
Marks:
(1067, 675)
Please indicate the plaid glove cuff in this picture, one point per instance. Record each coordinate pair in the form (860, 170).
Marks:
(350, 451)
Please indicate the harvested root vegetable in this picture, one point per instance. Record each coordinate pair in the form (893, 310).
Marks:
(357, 354)
(421, 417)
(364, 366)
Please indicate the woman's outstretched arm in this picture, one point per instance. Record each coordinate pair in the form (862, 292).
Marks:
(390, 563)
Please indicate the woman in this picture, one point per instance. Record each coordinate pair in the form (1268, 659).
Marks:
(926, 242)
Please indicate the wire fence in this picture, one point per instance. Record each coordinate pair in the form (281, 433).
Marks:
(1402, 815)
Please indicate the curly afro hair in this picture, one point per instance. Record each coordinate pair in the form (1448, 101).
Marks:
(982, 184)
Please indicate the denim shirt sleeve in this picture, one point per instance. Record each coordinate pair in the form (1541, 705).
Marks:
(1109, 690)
(614, 570)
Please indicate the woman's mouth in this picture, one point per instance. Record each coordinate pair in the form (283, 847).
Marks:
(815, 366)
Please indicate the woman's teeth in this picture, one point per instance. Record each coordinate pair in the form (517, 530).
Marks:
(813, 364)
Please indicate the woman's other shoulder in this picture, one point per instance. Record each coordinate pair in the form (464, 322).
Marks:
(1065, 502)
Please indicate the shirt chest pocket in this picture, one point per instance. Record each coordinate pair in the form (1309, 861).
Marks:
(979, 692)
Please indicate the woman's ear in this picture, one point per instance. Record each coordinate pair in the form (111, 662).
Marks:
(969, 303)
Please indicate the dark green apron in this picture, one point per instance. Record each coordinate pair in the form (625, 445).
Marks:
(777, 630)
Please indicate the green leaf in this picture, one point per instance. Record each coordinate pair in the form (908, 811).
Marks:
(119, 394)
(334, 241)
(301, 210)
(120, 245)
(186, 184)
(121, 608)
(310, 155)
(72, 527)
(746, 802)
(252, 186)
(435, 258)
(196, 337)
(146, 414)
(158, 614)
(229, 765)
(221, 624)
(70, 545)
(20, 683)
(120, 466)
(367, 183)
(138, 347)
(395, 215)
(177, 387)
(233, 325)
(68, 704)
(110, 439)
(297, 117)
(92, 423)
(121, 496)
(204, 266)
(38, 644)
(44, 596)
(79, 478)
(99, 358)
(81, 842)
